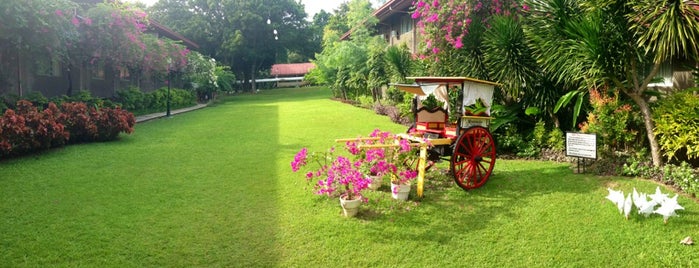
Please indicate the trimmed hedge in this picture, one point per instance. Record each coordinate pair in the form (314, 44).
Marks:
(28, 130)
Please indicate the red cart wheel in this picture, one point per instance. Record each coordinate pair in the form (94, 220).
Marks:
(474, 158)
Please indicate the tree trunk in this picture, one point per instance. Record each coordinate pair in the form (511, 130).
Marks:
(648, 122)
(252, 80)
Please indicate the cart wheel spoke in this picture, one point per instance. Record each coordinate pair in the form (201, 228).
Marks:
(473, 158)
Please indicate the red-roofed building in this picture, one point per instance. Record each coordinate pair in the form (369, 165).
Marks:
(291, 69)
(291, 74)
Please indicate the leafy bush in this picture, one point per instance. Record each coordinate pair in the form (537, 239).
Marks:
(556, 140)
(613, 122)
(366, 101)
(36, 98)
(79, 122)
(110, 122)
(132, 99)
(682, 176)
(395, 95)
(677, 124)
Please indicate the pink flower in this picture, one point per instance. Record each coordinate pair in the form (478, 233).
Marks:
(299, 160)
(75, 21)
(416, 15)
(433, 18)
(435, 50)
(352, 148)
(458, 43)
(59, 13)
(525, 7)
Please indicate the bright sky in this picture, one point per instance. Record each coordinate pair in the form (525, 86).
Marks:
(312, 6)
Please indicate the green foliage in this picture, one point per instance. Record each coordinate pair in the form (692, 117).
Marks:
(556, 139)
(677, 124)
(507, 56)
(682, 176)
(538, 136)
(132, 99)
(139, 102)
(366, 101)
(431, 102)
(395, 95)
(639, 165)
(399, 62)
(37, 99)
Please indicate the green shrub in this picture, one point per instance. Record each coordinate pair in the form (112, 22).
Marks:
(682, 176)
(132, 99)
(613, 122)
(366, 101)
(538, 136)
(677, 124)
(38, 99)
(395, 95)
(556, 140)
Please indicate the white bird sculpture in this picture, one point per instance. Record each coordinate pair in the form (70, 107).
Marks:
(668, 207)
(637, 201)
(627, 206)
(617, 197)
(658, 197)
(647, 208)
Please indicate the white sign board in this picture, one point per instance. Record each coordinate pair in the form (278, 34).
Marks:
(581, 145)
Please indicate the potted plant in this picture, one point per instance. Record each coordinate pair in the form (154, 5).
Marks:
(387, 159)
(337, 177)
(476, 109)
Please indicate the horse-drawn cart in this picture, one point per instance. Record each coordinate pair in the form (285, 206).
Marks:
(466, 143)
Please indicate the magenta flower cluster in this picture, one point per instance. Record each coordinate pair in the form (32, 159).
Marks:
(348, 175)
(341, 177)
(444, 24)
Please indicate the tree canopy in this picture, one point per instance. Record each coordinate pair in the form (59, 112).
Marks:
(248, 35)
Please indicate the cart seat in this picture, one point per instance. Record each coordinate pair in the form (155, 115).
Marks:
(431, 121)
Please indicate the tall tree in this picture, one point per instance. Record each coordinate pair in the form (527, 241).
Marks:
(237, 32)
(43, 28)
(622, 44)
(343, 64)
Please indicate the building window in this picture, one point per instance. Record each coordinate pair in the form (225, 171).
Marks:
(98, 71)
(48, 67)
(124, 73)
(664, 76)
(406, 24)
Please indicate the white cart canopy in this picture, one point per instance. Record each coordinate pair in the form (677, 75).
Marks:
(473, 89)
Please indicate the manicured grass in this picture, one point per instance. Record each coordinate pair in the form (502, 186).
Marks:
(214, 188)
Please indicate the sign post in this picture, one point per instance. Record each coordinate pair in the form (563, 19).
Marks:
(581, 145)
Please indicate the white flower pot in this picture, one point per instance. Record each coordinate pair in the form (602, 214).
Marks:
(400, 191)
(375, 182)
(350, 207)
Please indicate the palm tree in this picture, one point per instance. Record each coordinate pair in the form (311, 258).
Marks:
(596, 43)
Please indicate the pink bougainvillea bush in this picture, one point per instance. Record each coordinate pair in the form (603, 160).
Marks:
(446, 24)
(348, 174)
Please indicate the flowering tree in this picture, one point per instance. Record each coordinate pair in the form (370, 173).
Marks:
(39, 27)
(447, 23)
(115, 34)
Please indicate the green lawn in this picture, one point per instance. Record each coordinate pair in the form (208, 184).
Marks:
(214, 188)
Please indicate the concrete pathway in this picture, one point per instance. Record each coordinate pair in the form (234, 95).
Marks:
(147, 117)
